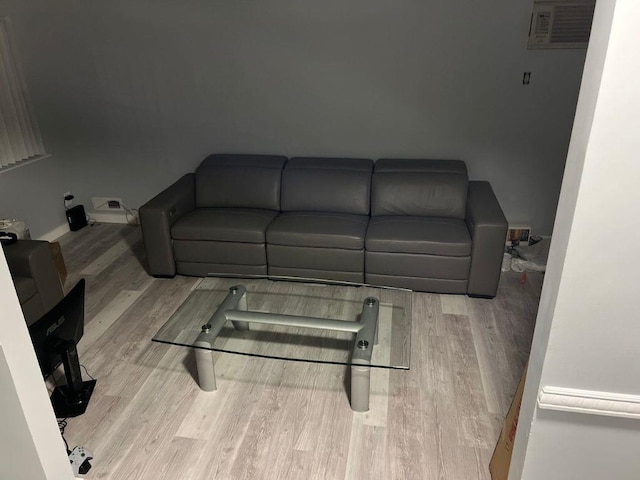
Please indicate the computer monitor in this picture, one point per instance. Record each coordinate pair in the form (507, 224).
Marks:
(54, 339)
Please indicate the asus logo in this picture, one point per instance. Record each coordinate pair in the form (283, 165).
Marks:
(55, 326)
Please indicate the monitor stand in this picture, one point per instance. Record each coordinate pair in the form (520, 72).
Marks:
(72, 399)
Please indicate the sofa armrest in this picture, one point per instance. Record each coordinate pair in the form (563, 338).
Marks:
(156, 218)
(34, 259)
(488, 228)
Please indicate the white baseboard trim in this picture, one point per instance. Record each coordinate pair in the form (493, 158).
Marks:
(60, 230)
(113, 217)
(590, 402)
(55, 233)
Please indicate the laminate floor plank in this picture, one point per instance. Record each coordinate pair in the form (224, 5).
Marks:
(150, 418)
(262, 427)
(454, 304)
(368, 453)
(176, 458)
(495, 359)
(111, 254)
(271, 419)
(413, 444)
(323, 427)
(470, 397)
(229, 434)
(84, 246)
(125, 273)
(102, 321)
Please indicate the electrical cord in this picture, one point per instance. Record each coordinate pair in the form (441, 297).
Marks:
(92, 221)
(130, 211)
(87, 372)
(97, 207)
(62, 424)
(67, 198)
(55, 381)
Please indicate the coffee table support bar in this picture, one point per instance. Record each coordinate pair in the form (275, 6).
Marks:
(234, 309)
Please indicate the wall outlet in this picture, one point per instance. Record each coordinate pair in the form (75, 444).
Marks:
(107, 203)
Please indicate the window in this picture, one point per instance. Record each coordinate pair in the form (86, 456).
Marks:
(20, 139)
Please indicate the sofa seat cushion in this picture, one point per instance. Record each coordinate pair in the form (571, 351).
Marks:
(319, 229)
(25, 288)
(244, 225)
(422, 235)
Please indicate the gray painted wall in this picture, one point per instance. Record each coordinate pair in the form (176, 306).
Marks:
(131, 94)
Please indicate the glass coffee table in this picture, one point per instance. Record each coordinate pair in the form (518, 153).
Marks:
(360, 326)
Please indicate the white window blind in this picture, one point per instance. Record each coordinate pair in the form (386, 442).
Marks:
(20, 138)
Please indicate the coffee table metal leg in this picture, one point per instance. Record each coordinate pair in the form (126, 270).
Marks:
(206, 369)
(242, 306)
(366, 338)
(236, 298)
(360, 387)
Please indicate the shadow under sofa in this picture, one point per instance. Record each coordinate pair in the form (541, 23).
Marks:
(417, 224)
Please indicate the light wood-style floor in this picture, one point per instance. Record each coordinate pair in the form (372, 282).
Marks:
(271, 419)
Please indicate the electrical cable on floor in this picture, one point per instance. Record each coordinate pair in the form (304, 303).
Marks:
(130, 211)
(62, 424)
(87, 372)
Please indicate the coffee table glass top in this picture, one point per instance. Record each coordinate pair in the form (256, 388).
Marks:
(294, 300)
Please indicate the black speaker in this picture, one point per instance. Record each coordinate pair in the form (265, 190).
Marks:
(76, 218)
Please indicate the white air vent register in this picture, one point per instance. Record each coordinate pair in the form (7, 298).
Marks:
(561, 23)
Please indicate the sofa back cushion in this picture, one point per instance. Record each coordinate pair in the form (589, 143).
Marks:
(239, 181)
(340, 185)
(430, 188)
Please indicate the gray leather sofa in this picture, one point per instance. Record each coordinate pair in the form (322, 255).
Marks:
(418, 224)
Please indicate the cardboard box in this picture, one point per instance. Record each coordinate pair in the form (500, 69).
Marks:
(501, 459)
(56, 252)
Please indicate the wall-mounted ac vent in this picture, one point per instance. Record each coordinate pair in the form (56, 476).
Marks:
(561, 23)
